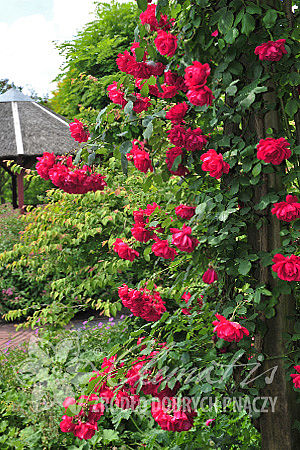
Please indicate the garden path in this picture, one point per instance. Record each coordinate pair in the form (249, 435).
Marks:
(9, 337)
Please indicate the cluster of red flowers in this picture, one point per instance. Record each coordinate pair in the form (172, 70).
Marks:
(287, 267)
(228, 330)
(78, 131)
(273, 151)
(199, 93)
(170, 416)
(117, 96)
(143, 303)
(84, 424)
(271, 50)
(186, 297)
(288, 210)
(185, 212)
(140, 157)
(63, 174)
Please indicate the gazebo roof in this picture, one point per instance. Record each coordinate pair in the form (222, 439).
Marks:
(29, 129)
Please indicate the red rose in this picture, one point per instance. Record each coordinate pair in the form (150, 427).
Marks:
(186, 297)
(139, 156)
(140, 233)
(195, 139)
(210, 276)
(296, 377)
(151, 208)
(197, 74)
(85, 430)
(200, 97)
(155, 68)
(271, 50)
(149, 17)
(45, 163)
(287, 268)
(79, 131)
(288, 210)
(116, 95)
(170, 417)
(124, 251)
(171, 155)
(215, 33)
(127, 63)
(273, 151)
(214, 164)
(229, 331)
(177, 112)
(166, 43)
(141, 103)
(183, 240)
(185, 211)
(177, 135)
(173, 79)
(162, 249)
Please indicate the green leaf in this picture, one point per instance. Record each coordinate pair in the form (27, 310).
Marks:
(246, 102)
(244, 267)
(139, 52)
(125, 147)
(231, 35)
(142, 4)
(225, 22)
(148, 131)
(253, 9)
(256, 170)
(77, 159)
(270, 18)
(292, 107)
(128, 108)
(110, 435)
(224, 216)
(200, 210)
(248, 24)
(176, 163)
(145, 90)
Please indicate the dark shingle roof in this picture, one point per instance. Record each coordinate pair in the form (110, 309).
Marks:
(29, 128)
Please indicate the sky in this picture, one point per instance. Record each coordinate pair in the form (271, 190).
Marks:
(28, 56)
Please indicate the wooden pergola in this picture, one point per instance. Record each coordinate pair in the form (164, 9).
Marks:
(27, 130)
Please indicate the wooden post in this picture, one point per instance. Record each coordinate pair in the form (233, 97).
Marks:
(20, 179)
(14, 191)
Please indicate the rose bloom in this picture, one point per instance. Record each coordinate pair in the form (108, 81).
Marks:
(287, 267)
(177, 112)
(162, 249)
(215, 33)
(149, 17)
(197, 74)
(171, 155)
(169, 417)
(141, 103)
(124, 251)
(210, 422)
(45, 163)
(195, 139)
(273, 151)
(214, 164)
(271, 50)
(78, 131)
(177, 135)
(173, 79)
(182, 239)
(296, 377)
(166, 43)
(210, 276)
(185, 211)
(288, 210)
(200, 96)
(116, 95)
(229, 331)
(140, 233)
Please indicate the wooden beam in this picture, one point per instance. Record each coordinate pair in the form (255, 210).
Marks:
(14, 191)
(20, 181)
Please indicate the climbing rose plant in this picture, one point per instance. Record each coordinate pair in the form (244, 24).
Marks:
(208, 99)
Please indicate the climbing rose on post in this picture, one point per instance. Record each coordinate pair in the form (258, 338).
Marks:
(273, 151)
(287, 267)
(200, 96)
(197, 74)
(229, 331)
(162, 249)
(78, 131)
(271, 50)
(182, 239)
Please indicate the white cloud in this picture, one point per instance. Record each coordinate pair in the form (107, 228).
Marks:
(27, 53)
